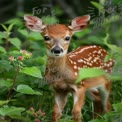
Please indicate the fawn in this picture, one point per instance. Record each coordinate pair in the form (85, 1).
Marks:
(62, 68)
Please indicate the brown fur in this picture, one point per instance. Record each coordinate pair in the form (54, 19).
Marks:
(61, 72)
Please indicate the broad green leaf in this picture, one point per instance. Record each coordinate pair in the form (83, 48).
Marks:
(25, 89)
(2, 49)
(5, 28)
(2, 102)
(32, 71)
(16, 42)
(4, 64)
(20, 118)
(89, 73)
(2, 35)
(41, 60)
(10, 27)
(15, 21)
(5, 83)
(23, 32)
(107, 57)
(9, 111)
(35, 36)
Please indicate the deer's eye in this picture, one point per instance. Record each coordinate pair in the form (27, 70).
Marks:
(46, 38)
(67, 38)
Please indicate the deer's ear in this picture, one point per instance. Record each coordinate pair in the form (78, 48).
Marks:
(34, 23)
(79, 23)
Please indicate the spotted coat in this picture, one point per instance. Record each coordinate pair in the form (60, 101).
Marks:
(89, 56)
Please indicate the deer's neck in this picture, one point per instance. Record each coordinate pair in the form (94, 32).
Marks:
(56, 64)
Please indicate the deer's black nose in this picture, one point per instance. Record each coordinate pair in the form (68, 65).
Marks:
(57, 50)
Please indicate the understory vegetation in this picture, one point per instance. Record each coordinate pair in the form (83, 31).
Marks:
(24, 94)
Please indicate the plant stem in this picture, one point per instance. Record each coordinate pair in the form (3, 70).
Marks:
(14, 81)
(6, 43)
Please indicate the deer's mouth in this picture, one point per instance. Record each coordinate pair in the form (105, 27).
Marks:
(56, 53)
(57, 50)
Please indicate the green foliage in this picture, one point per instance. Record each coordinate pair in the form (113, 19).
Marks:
(25, 89)
(113, 116)
(89, 73)
(11, 111)
(15, 42)
(25, 97)
(2, 49)
(3, 102)
(32, 71)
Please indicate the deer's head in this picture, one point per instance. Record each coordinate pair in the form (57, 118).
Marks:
(56, 36)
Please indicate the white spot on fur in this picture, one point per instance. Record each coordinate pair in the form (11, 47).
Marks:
(74, 62)
(75, 67)
(76, 73)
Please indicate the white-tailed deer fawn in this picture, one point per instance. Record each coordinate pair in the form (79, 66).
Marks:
(63, 68)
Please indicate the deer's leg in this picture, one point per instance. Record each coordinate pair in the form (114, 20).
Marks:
(105, 93)
(78, 96)
(98, 108)
(102, 103)
(60, 101)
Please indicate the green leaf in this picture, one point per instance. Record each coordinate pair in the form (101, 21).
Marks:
(4, 83)
(49, 20)
(32, 71)
(10, 27)
(15, 21)
(2, 102)
(89, 73)
(107, 57)
(97, 5)
(2, 49)
(114, 48)
(80, 35)
(2, 35)
(115, 77)
(35, 36)
(23, 32)
(16, 42)
(4, 27)
(117, 107)
(25, 89)
(4, 64)
(94, 40)
(9, 111)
